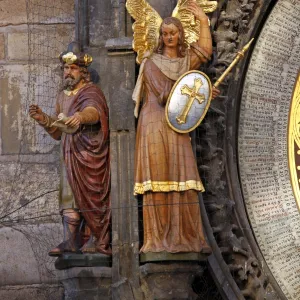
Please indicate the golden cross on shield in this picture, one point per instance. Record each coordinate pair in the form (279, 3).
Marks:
(193, 95)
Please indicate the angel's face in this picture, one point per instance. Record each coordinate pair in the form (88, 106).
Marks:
(170, 35)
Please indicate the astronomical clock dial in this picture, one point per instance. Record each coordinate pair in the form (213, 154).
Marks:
(269, 144)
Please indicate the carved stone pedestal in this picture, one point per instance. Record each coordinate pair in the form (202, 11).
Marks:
(164, 281)
(86, 283)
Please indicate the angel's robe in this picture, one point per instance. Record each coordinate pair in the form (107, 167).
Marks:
(166, 171)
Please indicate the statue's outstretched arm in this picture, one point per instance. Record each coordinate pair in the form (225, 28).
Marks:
(45, 121)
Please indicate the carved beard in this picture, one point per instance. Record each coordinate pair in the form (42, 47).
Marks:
(70, 83)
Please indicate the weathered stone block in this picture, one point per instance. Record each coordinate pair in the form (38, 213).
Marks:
(169, 281)
(32, 292)
(2, 46)
(24, 259)
(46, 42)
(16, 125)
(86, 283)
(56, 11)
(12, 87)
(13, 12)
(17, 46)
(37, 181)
(100, 26)
(15, 246)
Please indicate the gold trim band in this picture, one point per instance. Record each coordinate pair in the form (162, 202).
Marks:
(167, 186)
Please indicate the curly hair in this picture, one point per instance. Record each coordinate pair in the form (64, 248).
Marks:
(181, 47)
(85, 74)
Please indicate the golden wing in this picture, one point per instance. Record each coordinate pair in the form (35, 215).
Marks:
(145, 27)
(190, 24)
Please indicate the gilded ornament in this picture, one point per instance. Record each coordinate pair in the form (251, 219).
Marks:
(87, 60)
(167, 186)
(193, 94)
(69, 58)
(145, 27)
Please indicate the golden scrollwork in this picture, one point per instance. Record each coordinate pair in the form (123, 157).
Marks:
(148, 21)
(294, 141)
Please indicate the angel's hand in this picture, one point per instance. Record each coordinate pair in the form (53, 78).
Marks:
(197, 11)
(215, 93)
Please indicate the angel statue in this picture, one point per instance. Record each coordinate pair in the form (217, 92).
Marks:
(166, 172)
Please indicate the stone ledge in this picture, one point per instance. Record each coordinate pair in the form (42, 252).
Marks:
(165, 256)
(157, 268)
(84, 272)
(73, 260)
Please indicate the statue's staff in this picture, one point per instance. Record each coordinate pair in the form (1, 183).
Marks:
(238, 57)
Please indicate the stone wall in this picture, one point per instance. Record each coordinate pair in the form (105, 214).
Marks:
(29, 174)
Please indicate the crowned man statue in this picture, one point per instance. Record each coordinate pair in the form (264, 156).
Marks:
(81, 123)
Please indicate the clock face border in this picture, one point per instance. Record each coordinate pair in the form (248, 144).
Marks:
(262, 145)
(294, 141)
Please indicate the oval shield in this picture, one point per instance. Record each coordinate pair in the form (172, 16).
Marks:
(188, 101)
